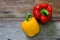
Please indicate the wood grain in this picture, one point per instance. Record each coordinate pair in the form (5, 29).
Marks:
(19, 8)
(12, 13)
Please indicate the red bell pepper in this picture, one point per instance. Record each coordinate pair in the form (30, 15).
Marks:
(43, 12)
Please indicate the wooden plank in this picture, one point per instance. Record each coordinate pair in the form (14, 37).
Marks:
(12, 30)
(15, 8)
(18, 8)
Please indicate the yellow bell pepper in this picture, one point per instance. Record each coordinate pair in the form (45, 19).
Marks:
(30, 26)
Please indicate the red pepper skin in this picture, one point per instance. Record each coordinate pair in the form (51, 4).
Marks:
(37, 13)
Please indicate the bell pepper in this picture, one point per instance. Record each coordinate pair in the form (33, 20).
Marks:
(30, 26)
(43, 12)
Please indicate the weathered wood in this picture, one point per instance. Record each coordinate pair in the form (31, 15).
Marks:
(12, 30)
(18, 8)
(12, 13)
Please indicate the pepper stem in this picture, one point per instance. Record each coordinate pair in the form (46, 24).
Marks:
(44, 12)
(27, 16)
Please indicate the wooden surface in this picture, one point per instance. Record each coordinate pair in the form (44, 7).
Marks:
(18, 8)
(12, 13)
(12, 30)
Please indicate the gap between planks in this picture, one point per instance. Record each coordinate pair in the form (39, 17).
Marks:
(21, 19)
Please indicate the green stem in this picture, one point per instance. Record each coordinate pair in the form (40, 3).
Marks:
(44, 12)
(27, 16)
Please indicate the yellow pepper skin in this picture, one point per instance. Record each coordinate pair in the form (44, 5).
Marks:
(30, 27)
